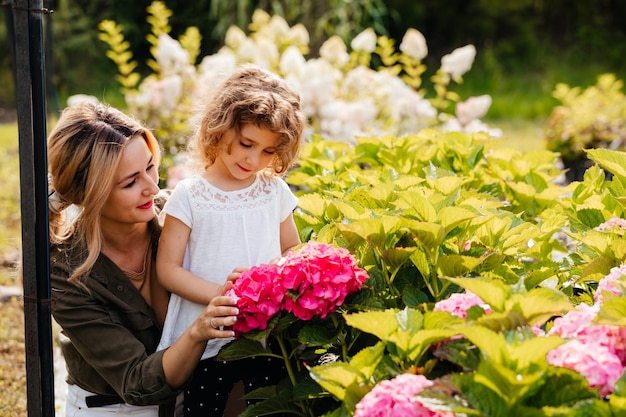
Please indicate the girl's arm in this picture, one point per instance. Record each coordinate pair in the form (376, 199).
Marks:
(289, 236)
(169, 265)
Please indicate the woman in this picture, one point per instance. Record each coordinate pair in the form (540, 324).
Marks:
(104, 232)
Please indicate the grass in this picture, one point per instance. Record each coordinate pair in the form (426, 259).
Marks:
(10, 213)
(12, 355)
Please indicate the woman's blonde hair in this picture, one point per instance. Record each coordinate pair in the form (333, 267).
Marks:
(256, 96)
(84, 152)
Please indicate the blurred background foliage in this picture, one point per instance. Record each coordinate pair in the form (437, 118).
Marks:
(525, 47)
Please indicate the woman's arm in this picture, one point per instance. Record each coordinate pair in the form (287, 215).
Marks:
(169, 265)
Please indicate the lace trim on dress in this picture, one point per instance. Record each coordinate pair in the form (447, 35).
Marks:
(208, 197)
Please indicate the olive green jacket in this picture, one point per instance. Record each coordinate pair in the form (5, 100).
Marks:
(109, 332)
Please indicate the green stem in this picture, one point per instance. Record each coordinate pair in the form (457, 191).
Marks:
(283, 350)
(292, 376)
(342, 339)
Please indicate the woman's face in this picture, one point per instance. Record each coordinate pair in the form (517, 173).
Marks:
(135, 185)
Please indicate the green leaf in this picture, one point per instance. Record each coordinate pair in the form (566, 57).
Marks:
(420, 342)
(561, 387)
(590, 217)
(366, 360)
(539, 304)
(280, 402)
(335, 377)
(242, 348)
(412, 297)
(480, 397)
(420, 260)
(379, 323)
(613, 312)
(430, 235)
(418, 204)
(492, 292)
(451, 217)
(313, 204)
(613, 161)
(343, 379)
(457, 265)
(313, 334)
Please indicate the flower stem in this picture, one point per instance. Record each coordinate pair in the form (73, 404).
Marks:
(342, 339)
(283, 350)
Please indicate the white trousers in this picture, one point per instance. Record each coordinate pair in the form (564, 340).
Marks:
(76, 406)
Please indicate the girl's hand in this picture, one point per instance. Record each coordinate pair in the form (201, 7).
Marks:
(232, 277)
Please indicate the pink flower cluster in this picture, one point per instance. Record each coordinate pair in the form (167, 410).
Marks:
(611, 283)
(612, 223)
(596, 351)
(397, 397)
(311, 282)
(459, 303)
(594, 361)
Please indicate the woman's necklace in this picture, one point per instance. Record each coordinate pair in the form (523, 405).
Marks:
(139, 278)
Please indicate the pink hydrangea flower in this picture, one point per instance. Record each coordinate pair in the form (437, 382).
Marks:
(397, 398)
(571, 324)
(601, 367)
(459, 303)
(612, 223)
(318, 278)
(259, 297)
(611, 283)
(578, 324)
(313, 281)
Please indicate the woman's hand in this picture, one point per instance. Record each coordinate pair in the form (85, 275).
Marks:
(214, 322)
(218, 317)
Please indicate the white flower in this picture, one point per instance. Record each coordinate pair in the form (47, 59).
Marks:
(77, 99)
(334, 51)
(213, 69)
(267, 54)
(247, 51)
(414, 44)
(291, 61)
(459, 61)
(234, 37)
(476, 126)
(260, 17)
(166, 94)
(278, 27)
(170, 55)
(317, 83)
(364, 41)
(298, 35)
(473, 108)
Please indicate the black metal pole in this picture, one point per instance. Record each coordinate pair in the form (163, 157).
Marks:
(31, 112)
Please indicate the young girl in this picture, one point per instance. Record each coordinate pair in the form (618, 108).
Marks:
(236, 211)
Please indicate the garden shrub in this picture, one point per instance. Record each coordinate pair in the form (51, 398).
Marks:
(590, 118)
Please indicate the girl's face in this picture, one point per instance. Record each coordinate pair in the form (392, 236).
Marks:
(135, 185)
(250, 152)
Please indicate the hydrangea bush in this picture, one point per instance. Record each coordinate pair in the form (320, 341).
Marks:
(587, 118)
